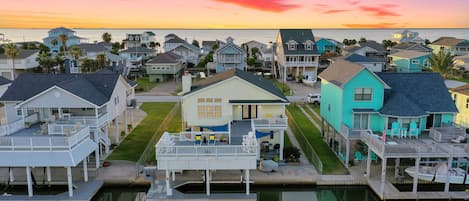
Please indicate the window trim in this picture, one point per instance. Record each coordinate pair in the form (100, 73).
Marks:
(363, 93)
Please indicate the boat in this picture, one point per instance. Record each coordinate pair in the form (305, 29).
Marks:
(438, 174)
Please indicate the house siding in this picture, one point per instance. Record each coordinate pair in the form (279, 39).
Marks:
(331, 107)
(406, 65)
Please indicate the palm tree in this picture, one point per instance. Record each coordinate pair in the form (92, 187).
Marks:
(46, 61)
(12, 51)
(63, 39)
(442, 63)
(75, 52)
(106, 37)
(54, 42)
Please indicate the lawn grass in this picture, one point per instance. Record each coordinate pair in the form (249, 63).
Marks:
(331, 164)
(174, 126)
(135, 143)
(145, 84)
(287, 141)
(310, 113)
(283, 88)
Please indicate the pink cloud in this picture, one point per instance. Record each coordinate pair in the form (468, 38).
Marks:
(353, 2)
(333, 11)
(378, 11)
(263, 5)
(374, 26)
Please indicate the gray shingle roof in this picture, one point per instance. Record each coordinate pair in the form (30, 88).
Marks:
(373, 44)
(449, 41)
(23, 54)
(95, 88)
(91, 47)
(412, 46)
(412, 93)
(61, 29)
(4, 81)
(300, 36)
(361, 59)
(410, 54)
(260, 82)
(165, 58)
(137, 49)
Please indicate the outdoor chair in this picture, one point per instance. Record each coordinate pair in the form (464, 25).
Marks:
(395, 131)
(358, 156)
(211, 139)
(459, 139)
(413, 130)
(198, 139)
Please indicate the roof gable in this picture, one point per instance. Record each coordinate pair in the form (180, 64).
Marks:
(300, 36)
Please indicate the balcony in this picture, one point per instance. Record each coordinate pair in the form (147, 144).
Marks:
(301, 63)
(90, 121)
(271, 123)
(18, 125)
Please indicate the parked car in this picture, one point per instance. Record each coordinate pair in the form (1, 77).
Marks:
(314, 98)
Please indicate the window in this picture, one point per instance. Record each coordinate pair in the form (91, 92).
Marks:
(363, 94)
(309, 46)
(19, 112)
(116, 100)
(467, 103)
(415, 61)
(360, 121)
(455, 97)
(291, 46)
(209, 108)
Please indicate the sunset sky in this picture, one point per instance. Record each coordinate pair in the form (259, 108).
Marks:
(234, 13)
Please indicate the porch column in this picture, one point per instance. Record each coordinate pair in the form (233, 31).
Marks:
(173, 174)
(450, 161)
(169, 191)
(347, 152)
(368, 164)
(85, 169)
(126, 127)
(284, 74)
(207, 181)
(30, 183)
(282, 141)
(416, 177)
(49, 175)
(247, 181)
(106, 133)
(97, 156)
(70, 184)
(383, 176)
(396, 167)
(12, 177)
(116, 129)
(60, 112)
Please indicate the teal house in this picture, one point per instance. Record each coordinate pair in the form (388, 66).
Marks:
(410, 61)
(327, 45)
(354, 99)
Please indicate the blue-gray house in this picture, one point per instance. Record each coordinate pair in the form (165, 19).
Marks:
(53, 36)
(229, 56)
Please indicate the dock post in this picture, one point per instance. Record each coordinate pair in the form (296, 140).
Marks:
(282, 141)
(30, 183)
(416, 177)
(49, 176)
(347, 152)
(247, 181)
(207, 181)
(396, 167)
(168, 187)
(85, 169)
(12, 176)
(368, 164)
(70, 184)
(450, 161)
(383, 176)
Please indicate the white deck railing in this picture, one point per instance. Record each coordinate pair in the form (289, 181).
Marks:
(11, 128)
(190, 136)
(43, 143)
(270, 123)
(91, 121)
(412, 148)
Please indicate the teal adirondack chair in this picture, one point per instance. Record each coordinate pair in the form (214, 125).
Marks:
(395, 130)
(359, 156)
(413, 130)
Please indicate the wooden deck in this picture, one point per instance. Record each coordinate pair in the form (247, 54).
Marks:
(392, 193)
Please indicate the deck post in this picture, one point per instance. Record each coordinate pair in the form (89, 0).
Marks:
(168, 187)
(282, 141)
(97, 156)
(368, 164)
(30, 183)
(347, 152)
(85, 169)
(383, 176)
(416, 178)
(247, 181)
(207, 181)
(126, 127)
(70, 184)
(450, 161)
(173, 175)
(396, 167)
(12, 177)
(116, 130)
(106, 133)
(49, 175)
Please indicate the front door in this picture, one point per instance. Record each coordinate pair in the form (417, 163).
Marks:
(249, 111)
(429, 121)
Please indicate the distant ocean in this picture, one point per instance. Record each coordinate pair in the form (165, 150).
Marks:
(240, 35)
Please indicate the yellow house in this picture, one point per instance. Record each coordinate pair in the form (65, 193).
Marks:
(460, 97)
(237, 102)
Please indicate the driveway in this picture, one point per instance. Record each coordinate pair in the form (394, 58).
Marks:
(161, 89)
(301, 91)
(150, 98)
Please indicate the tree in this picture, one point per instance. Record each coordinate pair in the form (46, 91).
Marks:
(101, 61)
(106, 37)
(196, 43)
(144, 45)
(25, 46)
(443, 63)
(389, 43)
(215, 47)
(115, 48)
(88, 65)
(75, 52)
(362, 40)
(251, 61)
(353, 42)
(63, 39)
(346, 42)
(152, 44)
(12, 51)
(46, 61)
(59, 61)
(254, 52)
(427, 42)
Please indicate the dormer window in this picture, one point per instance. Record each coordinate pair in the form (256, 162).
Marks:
(291, 45)
(308, 45)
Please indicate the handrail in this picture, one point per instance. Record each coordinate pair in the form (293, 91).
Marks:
(206, 150)
(270, 122)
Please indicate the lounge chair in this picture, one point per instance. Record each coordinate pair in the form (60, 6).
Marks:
(459, 139)
(198, 139)
(413, 130)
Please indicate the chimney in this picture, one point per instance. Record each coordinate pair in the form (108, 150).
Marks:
(186, 82)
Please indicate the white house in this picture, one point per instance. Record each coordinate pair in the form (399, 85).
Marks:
(297, 54)
(181, 47)
(227, 117)
(59, 120)
(136, 56)
(137, 40)
(247, 46)
(372, 64)
(462, 62)
(26, 60)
